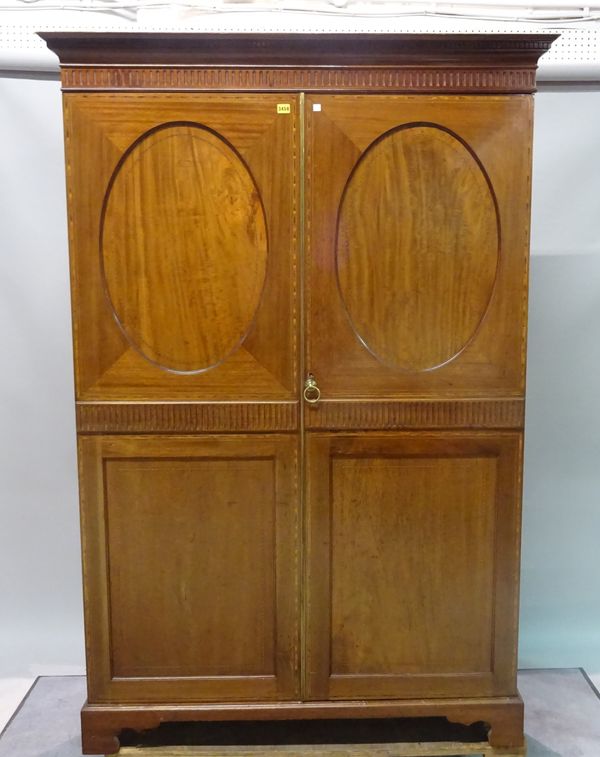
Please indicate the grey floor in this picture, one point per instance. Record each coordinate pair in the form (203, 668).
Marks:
(562, 717)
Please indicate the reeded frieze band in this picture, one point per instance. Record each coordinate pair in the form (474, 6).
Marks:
(426, 414)
(185, 417)
(431, 80)
(198, 417)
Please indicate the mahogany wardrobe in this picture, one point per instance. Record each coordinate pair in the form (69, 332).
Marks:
(299, 292)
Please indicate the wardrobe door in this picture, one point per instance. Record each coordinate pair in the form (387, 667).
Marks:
(417, 244)
(417, 211)
(412, 562)
(183, 240)
(190, 553)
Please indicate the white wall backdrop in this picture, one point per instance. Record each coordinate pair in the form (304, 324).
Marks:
(561, 536)
(40, 589)
(40, 586)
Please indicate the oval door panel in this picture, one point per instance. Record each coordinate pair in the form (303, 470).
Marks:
(183, 247)
(417, 247)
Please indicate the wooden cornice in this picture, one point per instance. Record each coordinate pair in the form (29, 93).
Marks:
(502, 63)
(297, 49)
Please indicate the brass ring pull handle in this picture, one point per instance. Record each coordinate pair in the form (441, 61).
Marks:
(312, 393)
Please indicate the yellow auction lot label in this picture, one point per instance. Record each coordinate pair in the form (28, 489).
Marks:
(284, 108)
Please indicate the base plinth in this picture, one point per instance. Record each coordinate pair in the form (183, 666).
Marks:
(102, 725)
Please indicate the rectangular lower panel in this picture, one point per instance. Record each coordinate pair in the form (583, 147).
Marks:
(413, 543)
(191, 545)
(191, 555)
(410, 562)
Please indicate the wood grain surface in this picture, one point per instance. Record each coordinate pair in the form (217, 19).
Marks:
(410, 534)
(191, 567)
(417, 247)
(457, 289)
(184, 247)
(197, 254)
